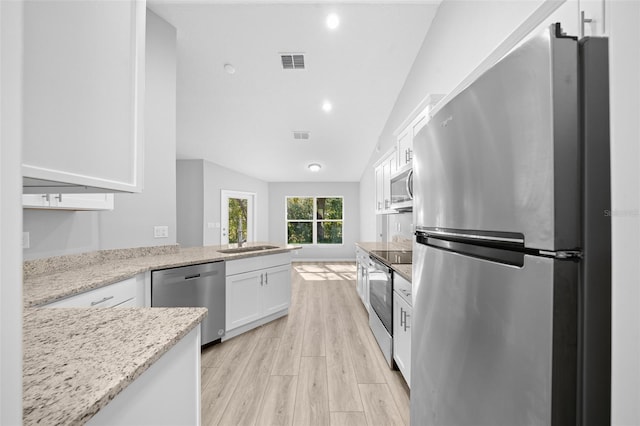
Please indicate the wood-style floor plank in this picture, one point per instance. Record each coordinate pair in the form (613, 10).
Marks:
(207, 375)
(220, 388)
(274, 328)
(353, 418)
(344, 394)
(312, 399)
(362, 352)
(379, 407)
(243, 407)
(279, 401)
(288, 357)
(313, 343)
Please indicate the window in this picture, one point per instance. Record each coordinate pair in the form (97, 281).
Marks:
(314, 220)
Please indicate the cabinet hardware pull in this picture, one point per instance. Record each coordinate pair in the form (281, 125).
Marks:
(401, 317)
(406, 323)
(58, 197)
(47, 197)
(266, 278)
(104, 299)
(583, 21)
(261, 279)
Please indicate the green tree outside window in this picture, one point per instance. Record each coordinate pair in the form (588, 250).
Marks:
(314, 220)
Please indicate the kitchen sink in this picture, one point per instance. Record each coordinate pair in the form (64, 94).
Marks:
(246, 249)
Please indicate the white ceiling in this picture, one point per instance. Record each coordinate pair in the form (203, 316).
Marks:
(245, 121)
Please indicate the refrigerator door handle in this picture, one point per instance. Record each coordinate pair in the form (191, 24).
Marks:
(472, 236)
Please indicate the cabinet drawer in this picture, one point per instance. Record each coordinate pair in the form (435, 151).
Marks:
(104, 297)
(255, 263)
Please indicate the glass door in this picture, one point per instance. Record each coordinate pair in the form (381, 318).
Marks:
(237, 217)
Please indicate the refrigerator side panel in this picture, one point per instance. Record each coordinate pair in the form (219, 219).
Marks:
(483, 341)
(596, 272)
(492, 158)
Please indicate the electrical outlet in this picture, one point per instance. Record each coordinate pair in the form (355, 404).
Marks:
(161, 232)
(25, 240)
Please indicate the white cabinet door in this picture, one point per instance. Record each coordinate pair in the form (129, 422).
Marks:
(383, 172)
(402, 336)
(243, 303)
(84, 92)
(405, 148)
(379, 191)
(276, 291)
(75, 202)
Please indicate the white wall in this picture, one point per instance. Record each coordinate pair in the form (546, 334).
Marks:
(130, 224)
(190, 202)
(624, 69)
(217, 178)
(351, 228)
(10, 213)
(200, 185)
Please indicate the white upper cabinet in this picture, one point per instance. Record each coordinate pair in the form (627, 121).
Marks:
(83, 94)
(410, 128)
(592, 18)
(383, 171)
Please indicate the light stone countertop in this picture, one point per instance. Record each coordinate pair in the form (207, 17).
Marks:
(403, 269)
(76, 360)
(51, 285)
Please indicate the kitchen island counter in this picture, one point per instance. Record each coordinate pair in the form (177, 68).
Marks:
(77, 360)
(52, 279)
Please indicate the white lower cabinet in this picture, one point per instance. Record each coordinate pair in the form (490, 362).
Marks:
(127, 293)
(258, 289)
(402, 336)
(168, 393)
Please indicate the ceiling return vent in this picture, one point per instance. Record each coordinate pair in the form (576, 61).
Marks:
(301, 135)
(292, 61)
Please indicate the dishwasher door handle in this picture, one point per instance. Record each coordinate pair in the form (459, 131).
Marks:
(190, 277)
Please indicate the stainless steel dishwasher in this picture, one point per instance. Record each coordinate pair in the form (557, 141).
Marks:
(194, 286)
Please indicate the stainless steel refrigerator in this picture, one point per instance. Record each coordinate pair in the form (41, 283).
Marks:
(512, 288)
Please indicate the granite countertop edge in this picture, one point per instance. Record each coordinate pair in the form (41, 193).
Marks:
(79, 414)
(90, 277)
(403, 269)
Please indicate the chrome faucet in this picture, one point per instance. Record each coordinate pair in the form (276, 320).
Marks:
(241, 239)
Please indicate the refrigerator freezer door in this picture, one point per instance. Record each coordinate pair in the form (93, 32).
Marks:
(492, 344)
(503, 155)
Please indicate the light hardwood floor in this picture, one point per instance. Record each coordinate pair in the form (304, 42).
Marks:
(319, 365)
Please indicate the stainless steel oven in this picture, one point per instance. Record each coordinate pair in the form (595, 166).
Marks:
(381, 302)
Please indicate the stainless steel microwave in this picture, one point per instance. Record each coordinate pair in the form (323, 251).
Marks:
(402, 190)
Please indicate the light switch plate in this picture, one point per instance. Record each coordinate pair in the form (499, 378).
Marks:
(161, 232)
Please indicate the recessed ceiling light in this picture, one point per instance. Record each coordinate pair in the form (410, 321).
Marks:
(314, 167)
(326, 106)
(230, 69)
(333, 21)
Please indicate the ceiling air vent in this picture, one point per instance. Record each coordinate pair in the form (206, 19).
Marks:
(292, 61)
(301, 135)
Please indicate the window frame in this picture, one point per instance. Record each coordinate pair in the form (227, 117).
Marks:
(314, 221)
